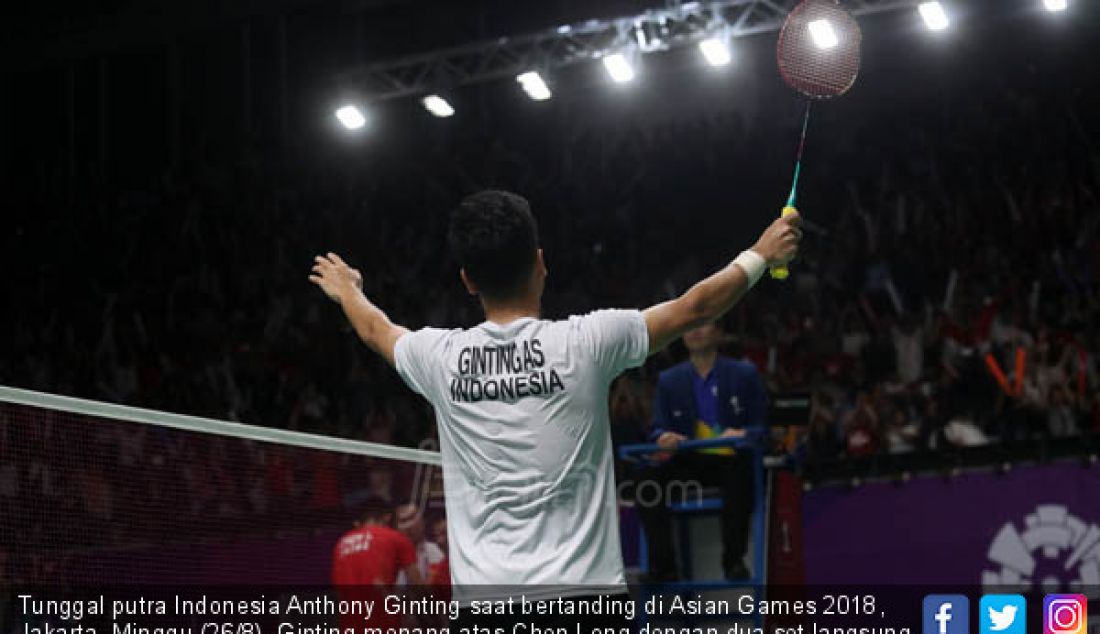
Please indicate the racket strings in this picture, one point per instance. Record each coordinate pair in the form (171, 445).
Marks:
(822, 60)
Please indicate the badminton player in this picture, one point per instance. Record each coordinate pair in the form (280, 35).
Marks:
(365, 565)
(522, 402)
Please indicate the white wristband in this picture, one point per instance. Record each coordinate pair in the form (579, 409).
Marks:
(753, 264)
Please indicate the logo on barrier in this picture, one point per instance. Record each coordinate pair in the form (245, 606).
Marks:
(1052, 549)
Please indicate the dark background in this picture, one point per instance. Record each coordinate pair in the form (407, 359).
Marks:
(170, 169)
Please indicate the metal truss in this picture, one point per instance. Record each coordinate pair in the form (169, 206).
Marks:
(674, 26)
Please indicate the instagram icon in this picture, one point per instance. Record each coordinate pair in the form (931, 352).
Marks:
(1065, 614)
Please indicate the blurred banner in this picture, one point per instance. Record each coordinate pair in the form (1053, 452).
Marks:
(1032, 525)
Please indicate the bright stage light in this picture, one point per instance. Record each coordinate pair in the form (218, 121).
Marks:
(534, 86)
(716, 51)
(1056, 5)
(823, 34)
(438, 106)
(618, 68)
(935, 18)
(351, 117)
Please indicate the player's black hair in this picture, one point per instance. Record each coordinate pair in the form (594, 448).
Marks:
(378, 510)
(493, 236)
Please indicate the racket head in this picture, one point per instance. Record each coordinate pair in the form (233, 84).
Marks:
(817, 71)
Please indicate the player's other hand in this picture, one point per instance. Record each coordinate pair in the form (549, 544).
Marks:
(779, 243)
(335, 277)
(670, 440)
(731, 432)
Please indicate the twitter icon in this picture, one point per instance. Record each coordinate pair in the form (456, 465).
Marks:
(1003, 614)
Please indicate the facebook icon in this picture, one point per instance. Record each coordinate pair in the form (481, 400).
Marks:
(946, 614)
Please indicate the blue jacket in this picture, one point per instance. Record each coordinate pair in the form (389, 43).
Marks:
(742, 400)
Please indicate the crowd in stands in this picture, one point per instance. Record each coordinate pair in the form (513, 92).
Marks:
(191, 297)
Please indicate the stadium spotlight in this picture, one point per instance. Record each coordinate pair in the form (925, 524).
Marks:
(1056, 5)
(438, 106)
(351, 117)
(935, 18)
(823, 34)
(716, 51)
(618, 67)
(534, 86)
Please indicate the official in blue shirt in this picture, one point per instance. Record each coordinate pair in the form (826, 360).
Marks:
(707, 396)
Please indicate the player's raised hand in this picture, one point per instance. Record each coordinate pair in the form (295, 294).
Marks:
(335, 277)
(779, 242)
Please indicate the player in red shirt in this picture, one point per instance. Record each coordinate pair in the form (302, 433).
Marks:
(365, 563)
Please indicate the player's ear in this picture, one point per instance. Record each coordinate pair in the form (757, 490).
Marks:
(540, 264)
(471, 288)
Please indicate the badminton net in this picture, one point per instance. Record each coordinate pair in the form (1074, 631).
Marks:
(96, 493)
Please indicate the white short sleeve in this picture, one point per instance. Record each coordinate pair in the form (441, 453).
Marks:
(619, 339)
(416, 355)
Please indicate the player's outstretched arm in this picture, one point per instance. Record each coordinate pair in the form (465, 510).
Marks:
(344, 285)
(711, 298)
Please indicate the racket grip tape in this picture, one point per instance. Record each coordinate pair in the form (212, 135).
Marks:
(782, 272)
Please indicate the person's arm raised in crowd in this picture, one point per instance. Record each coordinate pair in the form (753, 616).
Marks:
(344, 285)
(711, 298)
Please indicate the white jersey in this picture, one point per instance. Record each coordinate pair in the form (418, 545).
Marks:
(525, 438)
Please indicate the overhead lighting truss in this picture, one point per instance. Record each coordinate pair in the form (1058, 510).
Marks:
(671, 27)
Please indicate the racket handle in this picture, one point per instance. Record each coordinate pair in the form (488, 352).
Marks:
(782, 272)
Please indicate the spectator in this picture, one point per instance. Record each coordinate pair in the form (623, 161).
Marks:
(861, 427)
(410, 521)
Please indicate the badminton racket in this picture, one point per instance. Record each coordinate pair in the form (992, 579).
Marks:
(818, 55)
